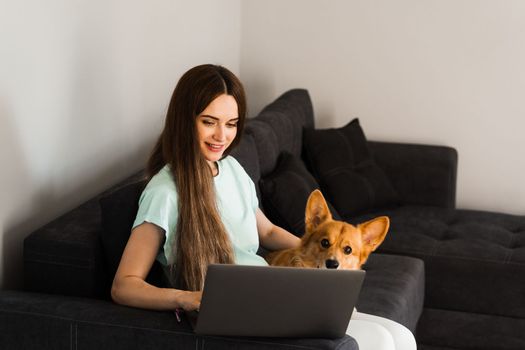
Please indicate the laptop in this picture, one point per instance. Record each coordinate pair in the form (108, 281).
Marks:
(265, 301)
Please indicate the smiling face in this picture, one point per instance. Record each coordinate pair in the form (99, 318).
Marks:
(217, 127)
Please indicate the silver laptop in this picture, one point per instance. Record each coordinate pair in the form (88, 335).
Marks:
(265, 301)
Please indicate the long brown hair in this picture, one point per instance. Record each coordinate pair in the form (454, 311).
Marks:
(201, 238)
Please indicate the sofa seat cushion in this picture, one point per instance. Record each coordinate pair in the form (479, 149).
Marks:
(475, 260)
(394, 288)
(442, 329)
(33, 319)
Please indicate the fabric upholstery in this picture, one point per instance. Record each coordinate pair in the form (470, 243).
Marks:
(420, 174)
(246, 154)
(394, 288)
(44, 321)
(279, 127)
(460, 330)
(475, 260)
(285, 192)
(342, 163)
(64, 256)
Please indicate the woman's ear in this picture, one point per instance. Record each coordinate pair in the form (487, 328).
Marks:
(317, 211)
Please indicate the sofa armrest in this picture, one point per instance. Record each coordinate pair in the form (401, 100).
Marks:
(421, 174)
(65, 256)
(35, 321)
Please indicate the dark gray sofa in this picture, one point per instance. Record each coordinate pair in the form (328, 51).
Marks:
(454, 277)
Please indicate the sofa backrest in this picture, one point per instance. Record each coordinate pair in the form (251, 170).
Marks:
(279, 127)
(276, 129)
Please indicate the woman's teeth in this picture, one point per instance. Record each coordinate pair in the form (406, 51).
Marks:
(215, 147)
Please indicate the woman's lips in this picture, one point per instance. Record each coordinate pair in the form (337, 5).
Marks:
(214, 148)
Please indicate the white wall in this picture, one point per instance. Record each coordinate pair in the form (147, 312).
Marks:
(448, 72)
(84, 86)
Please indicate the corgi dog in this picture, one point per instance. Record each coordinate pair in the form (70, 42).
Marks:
(329, 243)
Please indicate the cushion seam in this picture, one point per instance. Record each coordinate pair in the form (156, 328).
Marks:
(90, 322)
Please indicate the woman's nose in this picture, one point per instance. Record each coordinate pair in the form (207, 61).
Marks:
(219, 133)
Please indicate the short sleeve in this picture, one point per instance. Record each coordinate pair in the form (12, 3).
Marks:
(158, 205)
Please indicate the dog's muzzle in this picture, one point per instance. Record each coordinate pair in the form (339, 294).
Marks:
(331, 264)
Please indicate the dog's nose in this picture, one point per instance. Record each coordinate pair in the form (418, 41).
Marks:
(332, 264)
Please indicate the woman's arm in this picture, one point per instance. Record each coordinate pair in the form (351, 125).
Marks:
(274, 237)
(129, 285)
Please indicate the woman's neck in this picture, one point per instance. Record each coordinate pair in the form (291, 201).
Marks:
(214, 168)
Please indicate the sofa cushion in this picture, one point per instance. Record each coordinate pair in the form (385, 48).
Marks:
(443, 329)
(246, 154)
(40, 321)
(279, 127)
(285, 193)
(475, 260)
(118, 211)
(421, 174)
(341, 161)
(394, 288)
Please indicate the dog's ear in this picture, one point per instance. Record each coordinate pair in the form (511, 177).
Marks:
(317, 211)
(373, 233)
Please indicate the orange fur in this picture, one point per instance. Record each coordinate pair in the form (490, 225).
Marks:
(328, 243)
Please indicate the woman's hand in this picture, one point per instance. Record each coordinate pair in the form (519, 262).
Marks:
(189, 301)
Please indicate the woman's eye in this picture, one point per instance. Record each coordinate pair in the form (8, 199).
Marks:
(325, 243)
(232, 125)
(348, 250)
(207, 122)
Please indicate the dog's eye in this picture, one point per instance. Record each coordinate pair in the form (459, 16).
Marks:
(325, 243)
(348, 250)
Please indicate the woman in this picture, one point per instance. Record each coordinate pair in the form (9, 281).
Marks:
(219, 221)
(199, 206)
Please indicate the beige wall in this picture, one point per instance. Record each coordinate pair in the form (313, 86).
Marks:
(448, 72)
(83, 90)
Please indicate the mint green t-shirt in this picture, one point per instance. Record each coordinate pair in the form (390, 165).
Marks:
(236, 200)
